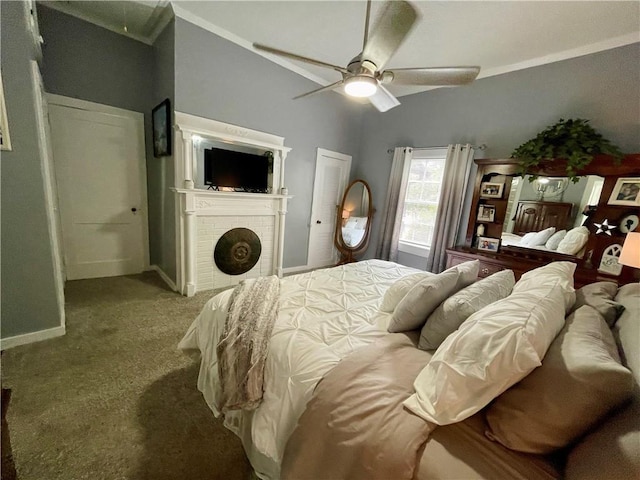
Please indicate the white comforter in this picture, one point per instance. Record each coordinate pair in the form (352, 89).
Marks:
(324, 316)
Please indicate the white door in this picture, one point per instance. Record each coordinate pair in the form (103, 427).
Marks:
(332, 174)
(98, 153)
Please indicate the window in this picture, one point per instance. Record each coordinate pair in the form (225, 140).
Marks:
(424, 184)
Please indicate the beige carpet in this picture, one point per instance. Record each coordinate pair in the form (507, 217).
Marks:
(114, 399)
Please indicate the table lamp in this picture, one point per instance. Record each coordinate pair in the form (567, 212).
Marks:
(630, 254)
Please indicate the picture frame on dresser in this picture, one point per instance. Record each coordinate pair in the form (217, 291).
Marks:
(486, 213)
(488, 244)
(491, 190)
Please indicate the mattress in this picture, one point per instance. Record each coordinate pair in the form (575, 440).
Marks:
(323, 316)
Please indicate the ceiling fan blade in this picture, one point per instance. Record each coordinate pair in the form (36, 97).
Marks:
(321, 89)
(383, 99)
(300, 58)
(390, 29)
(439, 76)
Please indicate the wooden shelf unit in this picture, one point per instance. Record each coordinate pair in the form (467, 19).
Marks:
(521, 260)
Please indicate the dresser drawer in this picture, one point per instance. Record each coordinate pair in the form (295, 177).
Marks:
(487, 269)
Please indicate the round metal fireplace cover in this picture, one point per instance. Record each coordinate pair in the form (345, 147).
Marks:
(237, 251)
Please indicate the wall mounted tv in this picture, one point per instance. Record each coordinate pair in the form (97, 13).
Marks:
(243, 172)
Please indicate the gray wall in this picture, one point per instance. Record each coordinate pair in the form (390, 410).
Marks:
(29, 301)
(507, 110)
(219, 80)
(160, 171)
(84, 61)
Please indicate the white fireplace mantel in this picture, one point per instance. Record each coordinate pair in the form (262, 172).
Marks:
(202, 216)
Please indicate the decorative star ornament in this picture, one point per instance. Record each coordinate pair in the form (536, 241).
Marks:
(604, 227)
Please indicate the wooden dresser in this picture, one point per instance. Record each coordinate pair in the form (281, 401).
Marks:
(531, 215)
(492, 263)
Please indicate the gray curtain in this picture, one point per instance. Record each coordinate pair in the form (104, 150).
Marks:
(387, 248)
(454, 186)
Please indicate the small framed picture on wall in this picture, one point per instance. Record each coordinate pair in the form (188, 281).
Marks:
(486, 213)
(161, 124)
(491, 190)
(626, 192)
(488, 244)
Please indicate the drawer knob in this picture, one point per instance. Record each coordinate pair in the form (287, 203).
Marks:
(485, 271)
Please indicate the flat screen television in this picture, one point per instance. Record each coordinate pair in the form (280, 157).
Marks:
(245, 172)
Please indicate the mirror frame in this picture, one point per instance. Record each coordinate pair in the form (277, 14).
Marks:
(347, 253)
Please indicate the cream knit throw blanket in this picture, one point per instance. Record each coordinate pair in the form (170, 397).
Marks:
(242, 350)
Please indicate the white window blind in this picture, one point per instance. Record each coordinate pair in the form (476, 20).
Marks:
(424, 184)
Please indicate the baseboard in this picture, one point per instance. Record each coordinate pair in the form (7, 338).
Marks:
(32, 337)
(164, 277)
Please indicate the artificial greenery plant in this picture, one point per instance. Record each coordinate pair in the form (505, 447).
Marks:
(573, 140)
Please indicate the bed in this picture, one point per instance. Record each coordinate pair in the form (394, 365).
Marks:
(336, 384)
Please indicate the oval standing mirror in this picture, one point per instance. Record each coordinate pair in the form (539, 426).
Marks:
(354, 221)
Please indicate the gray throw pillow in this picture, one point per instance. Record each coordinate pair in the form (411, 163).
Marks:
(456, 309)
(579, 382)
(421, 300)
(600, 296)
(467, 273)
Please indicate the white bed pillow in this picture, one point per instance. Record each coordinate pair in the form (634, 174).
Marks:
(573, 241)
(399, 289)
(526, 239)
(457, 308)
(541, 237)
(421, 300)
(560, 273)
(494, 349)
(555, 239)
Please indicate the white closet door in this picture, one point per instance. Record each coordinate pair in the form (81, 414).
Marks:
(332, 175)
(101, 176)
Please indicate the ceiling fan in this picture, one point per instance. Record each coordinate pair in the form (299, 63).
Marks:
(364, 75)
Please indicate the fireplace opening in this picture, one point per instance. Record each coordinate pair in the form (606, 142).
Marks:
(237, 251)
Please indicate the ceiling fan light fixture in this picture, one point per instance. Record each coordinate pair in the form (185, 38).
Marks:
(361, 86)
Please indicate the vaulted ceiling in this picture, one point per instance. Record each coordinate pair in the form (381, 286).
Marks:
(499, 36)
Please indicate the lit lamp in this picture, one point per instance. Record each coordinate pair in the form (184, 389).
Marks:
(630, 254)
(361, 86)
(345, 216)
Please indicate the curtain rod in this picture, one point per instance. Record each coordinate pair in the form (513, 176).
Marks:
(475, 147)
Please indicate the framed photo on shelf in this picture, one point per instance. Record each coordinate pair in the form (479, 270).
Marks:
(161, 124)
(491, 189)
(626, 192)
(486, 213)
(488, 244)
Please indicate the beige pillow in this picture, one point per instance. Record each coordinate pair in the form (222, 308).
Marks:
(467, 271)
(456, 309)
(491, 351)
(613, 449)
(399, 289)
(580, 381)
(600, 295)
(421, 300)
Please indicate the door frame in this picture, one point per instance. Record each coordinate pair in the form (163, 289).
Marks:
(138, 118)
(321, 152)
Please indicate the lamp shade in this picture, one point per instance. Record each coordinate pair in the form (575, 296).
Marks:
(630, 254)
